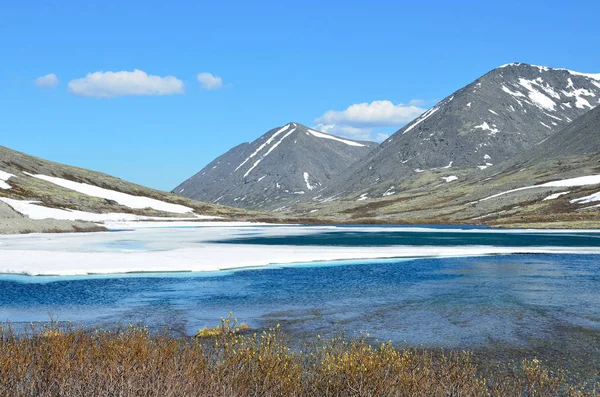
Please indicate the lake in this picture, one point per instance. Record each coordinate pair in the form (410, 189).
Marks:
(543, 304)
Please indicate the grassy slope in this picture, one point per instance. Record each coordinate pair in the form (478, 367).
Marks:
(25, 187)
(425, 198)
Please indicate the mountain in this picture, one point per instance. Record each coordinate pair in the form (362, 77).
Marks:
(563, 170)
(508, 110)
(555, 183)
(579, 138)
(283, 166)
(37, 195)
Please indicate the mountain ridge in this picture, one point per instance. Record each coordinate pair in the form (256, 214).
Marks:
(505, 111)
(275, 169)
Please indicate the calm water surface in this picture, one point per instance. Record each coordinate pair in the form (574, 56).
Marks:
(451, 302)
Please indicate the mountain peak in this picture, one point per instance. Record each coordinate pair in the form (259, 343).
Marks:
(522, 64)
(594, 76)
(508, 110)
(276, 169)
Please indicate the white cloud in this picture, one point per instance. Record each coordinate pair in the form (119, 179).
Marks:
(208, 81)
(114, 84)
(417, 102)
(47, 81)
(374, 114)
(365, 120)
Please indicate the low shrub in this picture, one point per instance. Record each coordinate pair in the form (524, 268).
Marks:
(132, 361)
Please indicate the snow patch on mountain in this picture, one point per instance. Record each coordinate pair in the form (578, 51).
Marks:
(538, 98)
(486, 127)
(335, 138)
(261, 147)
(450, 178)
(308, 185)
(34, 210)
(389, 192)
(128, 200)
(571, 182)
(595, 76)
(421, 119)
(268, 152)
(554, 196)
(4, 177)
(587, 199)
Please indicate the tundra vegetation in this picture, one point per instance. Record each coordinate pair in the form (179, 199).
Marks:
(232, 360)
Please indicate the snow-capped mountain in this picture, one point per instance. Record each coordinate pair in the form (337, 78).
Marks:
(576, 146)
(285, 165)
(502, 113)
(555, 183)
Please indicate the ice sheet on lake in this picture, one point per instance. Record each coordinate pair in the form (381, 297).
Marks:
(193, 249)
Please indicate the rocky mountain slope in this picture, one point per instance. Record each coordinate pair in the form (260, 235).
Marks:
(579, 138)
(39, 196)
(283, 166)
(556, 183)
(508, 110)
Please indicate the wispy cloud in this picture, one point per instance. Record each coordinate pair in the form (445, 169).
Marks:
(124, 83)
(365, 120)
(208, 81)
(376, 113)
(47, 81)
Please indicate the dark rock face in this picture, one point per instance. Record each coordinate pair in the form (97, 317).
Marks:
(579, 140)
(508, 110)
(287, 164)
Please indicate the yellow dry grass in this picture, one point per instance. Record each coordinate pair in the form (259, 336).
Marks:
(132, 361)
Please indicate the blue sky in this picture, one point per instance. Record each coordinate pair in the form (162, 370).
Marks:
(305, 61)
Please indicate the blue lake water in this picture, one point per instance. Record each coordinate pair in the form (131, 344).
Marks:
(542, 304)
(426, 238)
(451, 302)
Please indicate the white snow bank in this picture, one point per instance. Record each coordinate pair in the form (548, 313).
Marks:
(308, 185)
(486, 127)
(555, 196)
(4, 177)
(214, 258)
(538, 98)
(450, 178)
(572, 182)
(587, 199)
(191, 249)
(128, 200)
(34, 210)
(334, 138)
